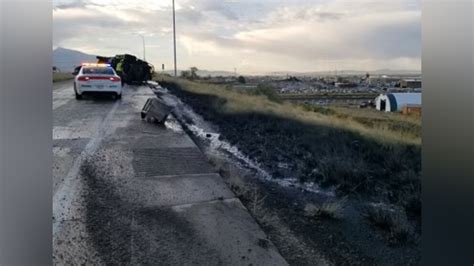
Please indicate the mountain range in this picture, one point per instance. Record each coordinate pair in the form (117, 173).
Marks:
(67, 59)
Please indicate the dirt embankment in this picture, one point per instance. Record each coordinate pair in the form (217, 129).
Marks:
(378, 222)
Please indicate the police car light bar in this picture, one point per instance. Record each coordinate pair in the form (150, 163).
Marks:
(95, 65)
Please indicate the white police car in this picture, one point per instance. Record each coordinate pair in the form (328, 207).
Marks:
(94, 78)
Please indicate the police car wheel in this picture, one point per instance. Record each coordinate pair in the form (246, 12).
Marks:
(78, 96)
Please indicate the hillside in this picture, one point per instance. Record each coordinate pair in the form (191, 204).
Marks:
(67, 59)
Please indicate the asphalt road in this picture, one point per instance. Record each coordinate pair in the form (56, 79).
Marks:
(129, 192)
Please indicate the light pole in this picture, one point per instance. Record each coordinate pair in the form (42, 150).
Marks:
(174, 41)
(143, 39)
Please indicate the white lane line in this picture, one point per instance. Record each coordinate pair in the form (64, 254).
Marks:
(67, 193)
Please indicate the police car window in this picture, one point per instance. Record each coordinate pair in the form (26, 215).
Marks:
(98, 70)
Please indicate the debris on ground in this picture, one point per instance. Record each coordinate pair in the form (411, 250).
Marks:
(155, 110)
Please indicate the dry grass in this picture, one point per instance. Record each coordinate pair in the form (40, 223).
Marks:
(256, 201)
(409, 127)
(60, 76)
(356, 151)
(352, 120)
(329, 209)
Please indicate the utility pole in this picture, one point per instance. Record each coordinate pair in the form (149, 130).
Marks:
(174, 41)
(143, 39)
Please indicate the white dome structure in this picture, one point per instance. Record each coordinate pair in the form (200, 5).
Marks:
(393, 102)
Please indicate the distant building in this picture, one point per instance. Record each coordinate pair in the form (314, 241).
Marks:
(395, 102)
(410, 83)
(383, 79)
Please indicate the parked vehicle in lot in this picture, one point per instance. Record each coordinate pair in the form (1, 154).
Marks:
(97, 78)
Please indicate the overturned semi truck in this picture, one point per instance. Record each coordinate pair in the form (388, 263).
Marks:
(131, 69)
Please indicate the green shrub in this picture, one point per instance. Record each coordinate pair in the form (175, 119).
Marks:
(318, 109)
(266, 90)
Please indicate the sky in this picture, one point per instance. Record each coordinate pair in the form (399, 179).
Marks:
(248, 36)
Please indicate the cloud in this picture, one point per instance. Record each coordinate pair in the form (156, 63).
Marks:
(254, 35)
(69, 5)
(389, 34)
(77, 23)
